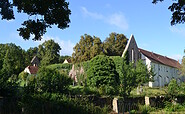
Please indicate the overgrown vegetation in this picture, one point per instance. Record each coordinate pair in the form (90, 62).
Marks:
(51, 90)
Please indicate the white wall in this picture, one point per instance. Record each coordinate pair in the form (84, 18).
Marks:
(163, 73)
(27, 70)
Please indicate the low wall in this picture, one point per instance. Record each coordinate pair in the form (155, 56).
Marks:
(132, 103)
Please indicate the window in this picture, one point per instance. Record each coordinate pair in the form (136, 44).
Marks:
(132, 55)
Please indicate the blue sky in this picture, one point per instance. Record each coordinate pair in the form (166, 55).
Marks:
(149, 23)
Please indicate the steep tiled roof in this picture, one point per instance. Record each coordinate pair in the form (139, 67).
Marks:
(33, 69)
(160, 59)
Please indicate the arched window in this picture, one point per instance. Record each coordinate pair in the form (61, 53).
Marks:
(132, 55)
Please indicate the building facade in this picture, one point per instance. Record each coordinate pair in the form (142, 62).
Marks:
(164, 67)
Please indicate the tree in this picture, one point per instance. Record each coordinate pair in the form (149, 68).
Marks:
(50, 80)
(127, 79)
(115, 44)
(13, 62)
(102, 71)
(173, 89)
(97, 48)
(178, 11)
(87, 48)
(32, 52)
(143, 74)
(182, 68)
(42, 14)
(49, 52)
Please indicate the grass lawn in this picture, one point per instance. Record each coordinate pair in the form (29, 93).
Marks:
(147, 91)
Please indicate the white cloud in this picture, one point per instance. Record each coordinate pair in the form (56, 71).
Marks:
(180, 31)
(116, 19)
(91, 14)
(177, 57)
(66, 45)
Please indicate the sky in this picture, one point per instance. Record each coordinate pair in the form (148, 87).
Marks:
(149, 23)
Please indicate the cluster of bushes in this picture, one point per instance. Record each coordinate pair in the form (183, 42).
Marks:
(48, 92)
(48, 103)
(112, 75)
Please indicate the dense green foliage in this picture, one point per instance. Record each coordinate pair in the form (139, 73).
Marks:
(115, 44)
(173, 88)
(42, 14)
(67, 66)
(170, 107)
(61, 67)
(102, 71)
(12, 59)
(182, 68)
(143, 75)
(131, 76)
(52, 81)
(89, 47)
(55, 103)
(12, 62)
(30, 53)
(49, 52)
(178, 11)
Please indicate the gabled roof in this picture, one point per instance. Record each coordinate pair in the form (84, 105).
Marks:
(33, 69)
(131, 40)
(160, 59)
(35, 58)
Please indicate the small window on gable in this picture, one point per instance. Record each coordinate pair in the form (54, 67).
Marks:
(132, 55)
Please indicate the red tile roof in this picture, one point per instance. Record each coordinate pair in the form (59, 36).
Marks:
(33, 69)
(160, 59)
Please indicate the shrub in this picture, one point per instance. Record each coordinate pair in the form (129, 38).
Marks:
(102, 71)
(47, 103)
(49, 80)
(144, 109)
(61, 67)
(170, 107)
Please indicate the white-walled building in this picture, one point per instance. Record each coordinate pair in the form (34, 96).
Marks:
(164, 68)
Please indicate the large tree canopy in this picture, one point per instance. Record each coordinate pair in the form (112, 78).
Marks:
(115, 44)
(49, 52)
(178, 11)
(89, 47)
(44, 12)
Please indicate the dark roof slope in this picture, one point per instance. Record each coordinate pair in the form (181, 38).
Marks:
(33, 69)
(161, 59)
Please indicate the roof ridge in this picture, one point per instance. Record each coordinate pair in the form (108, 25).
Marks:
(160, 58)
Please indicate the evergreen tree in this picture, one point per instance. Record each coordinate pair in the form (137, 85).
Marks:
(102, 71)
(49, 52)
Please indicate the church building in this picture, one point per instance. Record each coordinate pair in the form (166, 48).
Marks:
(164, 67)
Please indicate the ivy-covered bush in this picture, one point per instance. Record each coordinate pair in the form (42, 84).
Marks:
(50, 80)
(102, 71)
